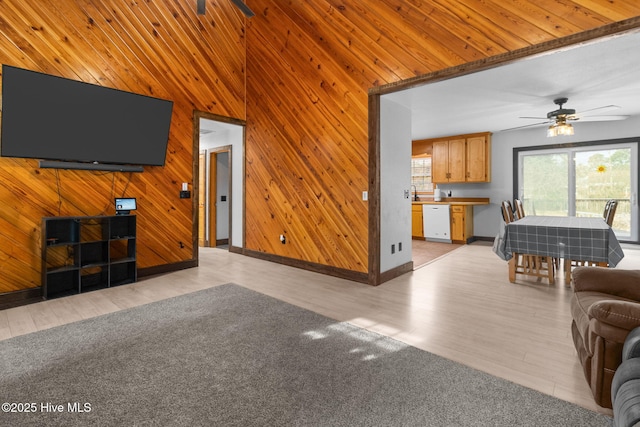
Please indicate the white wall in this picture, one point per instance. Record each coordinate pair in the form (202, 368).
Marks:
(487, 218)
(395, 177)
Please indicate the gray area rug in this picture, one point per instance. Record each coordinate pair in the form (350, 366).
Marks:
(229, 356)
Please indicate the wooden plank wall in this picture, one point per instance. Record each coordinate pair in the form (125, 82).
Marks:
(159, 48)
(309, 67)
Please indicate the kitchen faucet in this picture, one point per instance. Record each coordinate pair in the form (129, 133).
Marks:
(415, 193)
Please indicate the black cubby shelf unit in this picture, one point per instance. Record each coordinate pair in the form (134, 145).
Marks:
(85, 253)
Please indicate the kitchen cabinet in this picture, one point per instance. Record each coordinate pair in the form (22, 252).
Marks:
(478, 159)
(463, 158)
(416, 221)
(461, 223)
(448, 161)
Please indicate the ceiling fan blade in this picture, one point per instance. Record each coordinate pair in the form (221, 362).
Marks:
(535, 118)
(599, 109)
(243, 8)
(528, 126)
(201, 7)
(603, 118)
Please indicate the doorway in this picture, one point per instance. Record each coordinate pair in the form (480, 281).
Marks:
(214, 205)
(219, 146)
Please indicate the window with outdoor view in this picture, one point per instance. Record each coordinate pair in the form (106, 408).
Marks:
(421, 174)
(578, 181)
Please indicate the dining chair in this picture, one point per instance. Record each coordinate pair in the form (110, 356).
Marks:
(527, 264)
(608, 214)
(519, 208)
(507, 211)
(610, 211)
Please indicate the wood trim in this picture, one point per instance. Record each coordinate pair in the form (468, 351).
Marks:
(214, 153)
(195, 223)
(374, 191)
(355, 276)
(167, 268)
(588, 36)
(213, 197)
(22, 297)
(236, 249)
(395, 272)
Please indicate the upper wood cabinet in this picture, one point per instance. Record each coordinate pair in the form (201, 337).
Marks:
(462, 158)
(478, 151)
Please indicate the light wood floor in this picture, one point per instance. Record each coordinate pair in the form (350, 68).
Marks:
(461, 307)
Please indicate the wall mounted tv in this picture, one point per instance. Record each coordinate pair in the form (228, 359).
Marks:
(75, 125)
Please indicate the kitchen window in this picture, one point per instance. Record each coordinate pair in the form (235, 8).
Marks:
(421, 174)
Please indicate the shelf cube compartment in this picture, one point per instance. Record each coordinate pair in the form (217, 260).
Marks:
(93, 229)
(123, 226)
(62, 284)
(61, 257)
(123, 273)
(94, 253)
(60, 232)
(122, 250)
(94, 278)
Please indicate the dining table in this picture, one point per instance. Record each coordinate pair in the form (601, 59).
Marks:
(584, 239)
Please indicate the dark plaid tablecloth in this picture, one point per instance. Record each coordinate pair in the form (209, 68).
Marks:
(584, 239)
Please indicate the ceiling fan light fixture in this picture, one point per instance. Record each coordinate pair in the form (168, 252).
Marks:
(560, 127)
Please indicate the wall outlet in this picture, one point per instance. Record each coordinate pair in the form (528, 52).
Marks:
(393, 249)
(283, 239)
(399, 246)
(365, 195)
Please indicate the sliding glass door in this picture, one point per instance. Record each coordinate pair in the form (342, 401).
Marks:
(578, 180)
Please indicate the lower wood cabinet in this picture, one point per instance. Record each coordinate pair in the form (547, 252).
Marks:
(416, 221)
(461, 223)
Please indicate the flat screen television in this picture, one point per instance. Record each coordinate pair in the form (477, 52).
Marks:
(53, 118)
(125, 205)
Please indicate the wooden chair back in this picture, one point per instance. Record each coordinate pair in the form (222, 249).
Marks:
(610, 212)
(519, 208)
(507, 211)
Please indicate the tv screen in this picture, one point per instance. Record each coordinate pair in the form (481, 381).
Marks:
(53, 118)
(125, 204)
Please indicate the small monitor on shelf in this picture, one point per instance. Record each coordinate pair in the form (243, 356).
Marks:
(124, 206)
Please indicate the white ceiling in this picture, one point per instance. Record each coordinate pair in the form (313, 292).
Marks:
(593, 75)
(215, 128)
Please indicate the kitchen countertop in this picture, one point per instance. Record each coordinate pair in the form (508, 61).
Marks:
(453, 201)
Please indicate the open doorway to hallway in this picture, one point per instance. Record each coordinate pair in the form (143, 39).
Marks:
(220, 148)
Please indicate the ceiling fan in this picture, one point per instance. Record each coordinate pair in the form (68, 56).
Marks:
(561, 116)
(239, 4)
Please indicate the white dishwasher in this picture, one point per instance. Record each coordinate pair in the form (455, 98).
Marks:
(436, 223)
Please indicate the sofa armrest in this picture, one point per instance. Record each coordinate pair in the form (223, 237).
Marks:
(623, 314)
(623, 283)
(631, 347)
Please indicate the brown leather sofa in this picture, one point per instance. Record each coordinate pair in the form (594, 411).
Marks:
(605, 307)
